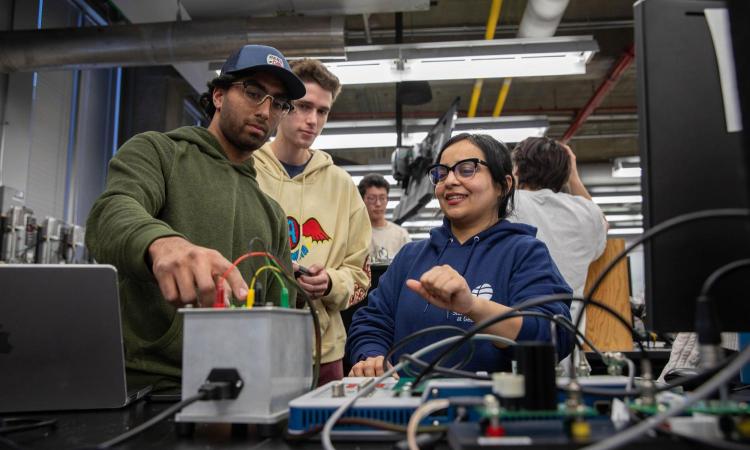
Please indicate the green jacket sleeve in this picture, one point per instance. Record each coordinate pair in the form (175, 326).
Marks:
(122, 222)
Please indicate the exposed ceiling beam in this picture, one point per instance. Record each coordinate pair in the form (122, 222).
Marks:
(619, 67)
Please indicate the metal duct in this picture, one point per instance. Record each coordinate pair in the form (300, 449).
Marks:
(167, 43)
(541, 18)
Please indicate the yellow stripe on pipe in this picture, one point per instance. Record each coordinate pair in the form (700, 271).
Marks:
(489, 33)
(475, 93)
(497, 5)
(501, 97)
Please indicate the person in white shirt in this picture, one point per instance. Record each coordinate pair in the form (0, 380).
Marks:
(387, 237)
(570, 223)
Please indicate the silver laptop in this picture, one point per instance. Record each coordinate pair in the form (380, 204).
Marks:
(60, 338)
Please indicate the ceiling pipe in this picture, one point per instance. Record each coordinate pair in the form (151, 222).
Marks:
(167, 43)
(494, 16)
(540, 19)
(430, 33)
(368, 35)
(618, 68)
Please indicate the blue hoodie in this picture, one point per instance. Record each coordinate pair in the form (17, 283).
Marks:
(505, 263)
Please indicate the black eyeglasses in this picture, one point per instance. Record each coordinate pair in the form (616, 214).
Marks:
(279, 106)
(464, 170)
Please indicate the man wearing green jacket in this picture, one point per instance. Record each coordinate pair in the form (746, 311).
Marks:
(180, 206)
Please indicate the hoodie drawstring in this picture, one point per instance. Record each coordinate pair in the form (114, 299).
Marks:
(302, 196)
(475, 241)
(440, 255)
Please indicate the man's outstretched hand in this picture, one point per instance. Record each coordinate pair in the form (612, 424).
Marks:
(187, 273)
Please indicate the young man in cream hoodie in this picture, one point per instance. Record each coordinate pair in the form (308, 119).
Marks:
(329, 229)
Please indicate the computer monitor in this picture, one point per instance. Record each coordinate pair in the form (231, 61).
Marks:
(410, 165)
(693, 159)
(739, 18)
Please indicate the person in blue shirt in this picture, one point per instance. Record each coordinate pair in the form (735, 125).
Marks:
(475, 266)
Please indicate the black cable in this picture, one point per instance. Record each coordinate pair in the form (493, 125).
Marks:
(726, 213)
(677, 382)
(316, 320)
(7, 443)
(629, 326)
(482, 325)
(523, 305)
(465, 374)
(571, 326)
(698, 376)
(720, 272)
(704, 443)
(308, 301)
(25, 424)
(422, 332)
(449, 371)
(151, 422)
(316, 328)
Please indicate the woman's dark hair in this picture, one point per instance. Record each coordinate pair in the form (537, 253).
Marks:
(497, 156)
(207, 100)
(541, 163)
(373, 180)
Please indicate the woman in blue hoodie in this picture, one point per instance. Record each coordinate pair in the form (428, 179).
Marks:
(475, 266)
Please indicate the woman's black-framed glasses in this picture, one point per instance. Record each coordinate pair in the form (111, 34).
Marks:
(279, 106)
(464, 170)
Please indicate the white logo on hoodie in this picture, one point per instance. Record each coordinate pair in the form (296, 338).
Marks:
(482, 291)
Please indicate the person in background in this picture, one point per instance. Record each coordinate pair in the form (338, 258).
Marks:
(180, 206)
(329, 231)
(475, 266)
(387, 237)
(570, 223)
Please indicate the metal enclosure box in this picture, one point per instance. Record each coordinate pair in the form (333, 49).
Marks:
(270, 347)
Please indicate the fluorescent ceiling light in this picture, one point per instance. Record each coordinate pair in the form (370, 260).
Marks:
(422, 223)
(382, 133)
(623, 217)
(625, 231)
(627, 167)
(368, 168)
(617, 199)
(388, 178)
(460, 60)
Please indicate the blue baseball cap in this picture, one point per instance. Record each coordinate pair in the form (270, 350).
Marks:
(262, 58)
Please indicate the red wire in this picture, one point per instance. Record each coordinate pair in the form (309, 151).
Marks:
(219, 300)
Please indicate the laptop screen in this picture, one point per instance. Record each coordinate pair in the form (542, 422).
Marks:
(60, 338)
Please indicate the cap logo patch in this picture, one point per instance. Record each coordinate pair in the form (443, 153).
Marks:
(274, 60)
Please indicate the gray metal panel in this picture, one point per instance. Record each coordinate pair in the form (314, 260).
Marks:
(14, 161)
(48, 147)
(61, 324)
(270, 347)
(93, 140)
(239, 8)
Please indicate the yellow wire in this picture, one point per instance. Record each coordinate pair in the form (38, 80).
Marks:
(275, 270)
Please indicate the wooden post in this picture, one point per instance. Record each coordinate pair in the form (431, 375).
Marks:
(604, 331)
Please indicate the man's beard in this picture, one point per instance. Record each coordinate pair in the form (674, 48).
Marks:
(232, 129)
(243, 142)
